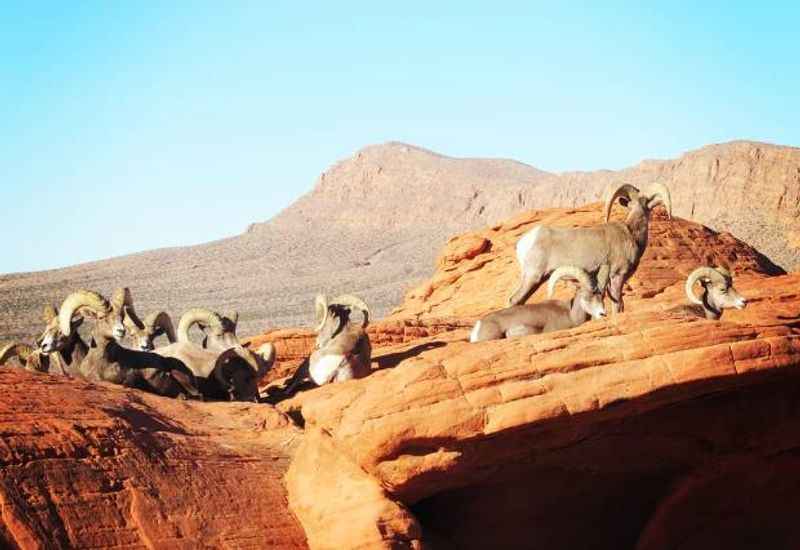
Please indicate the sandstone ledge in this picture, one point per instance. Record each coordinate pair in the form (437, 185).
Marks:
(648, 429)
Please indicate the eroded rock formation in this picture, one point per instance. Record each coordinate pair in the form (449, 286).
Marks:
(646, 430)
(97, 466)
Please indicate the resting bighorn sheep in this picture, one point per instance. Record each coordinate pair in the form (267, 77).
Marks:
(59, 353)
(545, 316)
(610, 251)
(342, 350)
(223, 367)
(219, 330)
(155, 325)
(233, 377)
(55, 354)
(718, 293)
(108, 361)
(27, 357)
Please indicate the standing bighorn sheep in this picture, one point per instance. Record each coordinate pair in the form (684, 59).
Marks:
(108, 361)
(718, 293)
(545, 316)
(610, 251)
(342, 350)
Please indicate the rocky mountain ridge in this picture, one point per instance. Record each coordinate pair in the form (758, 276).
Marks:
(374, 223)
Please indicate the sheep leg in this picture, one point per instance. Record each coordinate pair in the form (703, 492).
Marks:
(485, 330)
(187, 382)
(299, 376)
(343, 374)
(615, 292)
(602, 277)
(521, 330)
(531, 281)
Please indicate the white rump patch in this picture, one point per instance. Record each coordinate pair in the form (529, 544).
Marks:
(323, 370)
(473, 336)
(526, 242)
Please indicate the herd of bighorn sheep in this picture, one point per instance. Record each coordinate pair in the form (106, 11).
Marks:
(121, 348)
(600, 258)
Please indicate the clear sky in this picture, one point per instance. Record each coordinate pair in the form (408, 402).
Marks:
(126, 126)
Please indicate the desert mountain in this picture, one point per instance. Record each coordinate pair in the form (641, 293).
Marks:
(374, 223)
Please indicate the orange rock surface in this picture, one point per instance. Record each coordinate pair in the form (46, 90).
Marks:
(469, 285)
(294, 345)
(535, 437)
(98, 466)
(645, 430)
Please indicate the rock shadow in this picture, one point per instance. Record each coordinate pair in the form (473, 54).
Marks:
(391, 360)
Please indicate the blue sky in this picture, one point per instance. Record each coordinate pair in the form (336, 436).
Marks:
(126, 126)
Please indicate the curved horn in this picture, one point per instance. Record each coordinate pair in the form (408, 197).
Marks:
(77, 301)
(247, 355)
(122, 300)
(121, 297)
(15, 349)
(49, 312)
(724, 272)
(613, 193)
(197, 315)
(264, 356)
(160, 321)
(320, 311)
(570, 272)
(660, 191)
(716, 275)
(353, 302)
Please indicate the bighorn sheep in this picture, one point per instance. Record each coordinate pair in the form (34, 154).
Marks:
(108, 361)
(56, 354)
(233, 377)
(545, 316)
(223, 367)
(59, 353)
(610, 251)
(155, 325)
(342, 351)
(28, 357)
(219, 330)
(718, 293)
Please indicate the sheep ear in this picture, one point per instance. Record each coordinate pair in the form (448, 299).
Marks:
(49, 313)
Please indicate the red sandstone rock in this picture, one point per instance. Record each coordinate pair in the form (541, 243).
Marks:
(503, 443)
(648, 429)
(482, 283)
(84, 465)
(294, 345)
(327, 483)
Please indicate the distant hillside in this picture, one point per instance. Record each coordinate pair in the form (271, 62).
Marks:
(374, 223)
